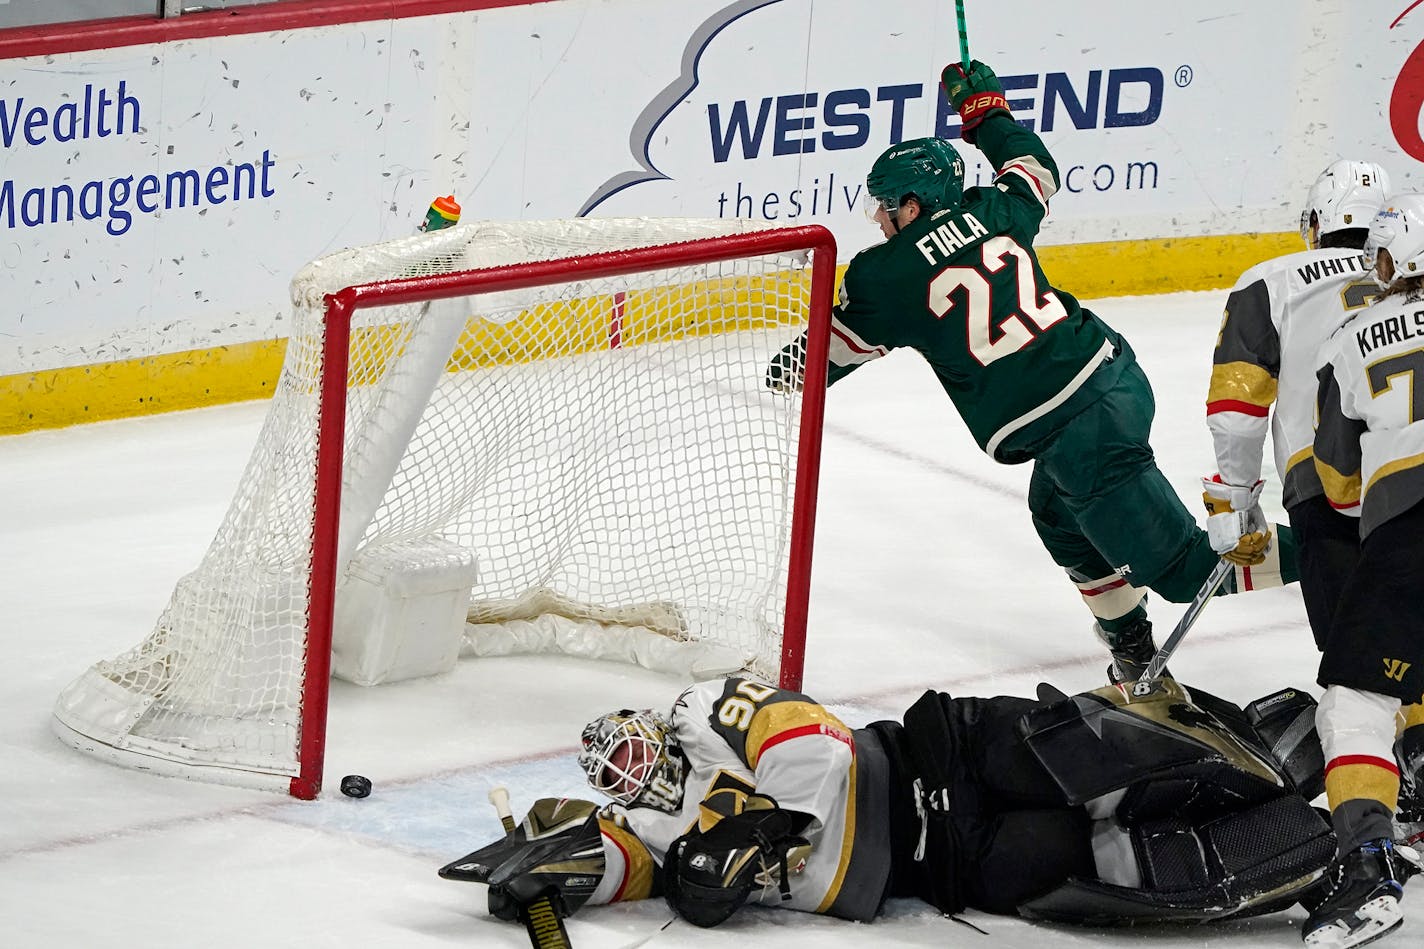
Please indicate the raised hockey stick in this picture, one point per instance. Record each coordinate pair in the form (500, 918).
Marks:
(1208, 590)
(963, 35)
(541, 916)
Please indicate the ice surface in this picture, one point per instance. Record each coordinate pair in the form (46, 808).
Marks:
(927, 574)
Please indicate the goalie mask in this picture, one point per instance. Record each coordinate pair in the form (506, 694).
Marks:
(926, 169)
(1399, 229)
(633, 757)
(1346, 195)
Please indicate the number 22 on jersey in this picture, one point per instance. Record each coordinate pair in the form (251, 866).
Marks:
(1013, 331)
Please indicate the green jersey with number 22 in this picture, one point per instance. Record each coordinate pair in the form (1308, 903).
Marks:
(963, 287)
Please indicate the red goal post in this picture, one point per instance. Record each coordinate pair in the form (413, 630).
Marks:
(189, 699)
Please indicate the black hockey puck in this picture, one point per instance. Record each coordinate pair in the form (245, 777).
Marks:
(355, 785)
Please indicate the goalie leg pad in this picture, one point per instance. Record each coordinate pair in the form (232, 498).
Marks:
(1246, 863)
(1152, 740)
(1285, 720)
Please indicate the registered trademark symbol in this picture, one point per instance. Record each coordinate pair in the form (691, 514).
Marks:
(1183, 76)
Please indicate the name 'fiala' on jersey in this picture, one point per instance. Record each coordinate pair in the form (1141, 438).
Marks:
(989, 310)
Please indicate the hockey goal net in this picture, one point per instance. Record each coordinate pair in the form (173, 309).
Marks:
(565, 423)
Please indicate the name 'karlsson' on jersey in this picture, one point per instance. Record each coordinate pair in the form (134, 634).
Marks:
(1369, 445)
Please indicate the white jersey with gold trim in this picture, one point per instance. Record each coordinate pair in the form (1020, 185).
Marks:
(1369, 445)
(1277, 317)
(744, 736)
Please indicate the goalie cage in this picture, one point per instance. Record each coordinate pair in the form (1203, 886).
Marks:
(563, 422)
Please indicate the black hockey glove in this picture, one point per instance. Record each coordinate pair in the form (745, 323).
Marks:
(556, 853)
(788, 367)
(708, 875)
(975, 95)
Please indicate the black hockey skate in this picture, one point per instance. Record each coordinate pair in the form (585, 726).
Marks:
(1359, 899)
(1132, 651)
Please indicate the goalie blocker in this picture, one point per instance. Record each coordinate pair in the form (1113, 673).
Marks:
(542, 871)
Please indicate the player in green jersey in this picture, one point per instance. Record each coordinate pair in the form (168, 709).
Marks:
(1034, 375)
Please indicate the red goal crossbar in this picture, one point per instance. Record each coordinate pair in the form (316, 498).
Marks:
(340, 308)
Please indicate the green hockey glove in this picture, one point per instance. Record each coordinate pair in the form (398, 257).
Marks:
(975, 95)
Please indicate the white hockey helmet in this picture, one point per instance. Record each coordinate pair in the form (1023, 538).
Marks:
(1346, 195)
(634, 758)
(1399, 229)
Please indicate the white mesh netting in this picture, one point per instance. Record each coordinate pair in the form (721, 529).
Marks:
(605, 449)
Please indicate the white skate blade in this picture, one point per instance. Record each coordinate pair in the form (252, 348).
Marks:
(1371, 921)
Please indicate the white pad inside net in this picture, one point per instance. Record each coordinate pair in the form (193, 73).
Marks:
(605, 450)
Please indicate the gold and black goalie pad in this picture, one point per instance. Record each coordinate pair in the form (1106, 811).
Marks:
(1285, 721)
(1162, 744)
(1260, 859)
(543, 870)
(741, 841)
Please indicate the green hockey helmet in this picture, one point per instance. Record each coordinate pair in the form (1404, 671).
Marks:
(927, 169)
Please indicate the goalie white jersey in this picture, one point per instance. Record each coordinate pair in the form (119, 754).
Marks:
(1369, 447)
(739, 736)
(1277, 317)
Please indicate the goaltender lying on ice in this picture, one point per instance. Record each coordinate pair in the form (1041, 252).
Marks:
(1141, 802)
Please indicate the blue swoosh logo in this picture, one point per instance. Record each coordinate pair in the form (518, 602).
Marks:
(640, 138)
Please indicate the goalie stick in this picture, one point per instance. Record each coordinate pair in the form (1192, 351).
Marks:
(1208, 590)
(541, 916)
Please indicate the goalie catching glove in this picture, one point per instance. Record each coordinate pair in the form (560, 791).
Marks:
(1235, 523)
(741, 841)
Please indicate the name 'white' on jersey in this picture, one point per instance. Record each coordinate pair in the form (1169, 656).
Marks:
(1277, 317)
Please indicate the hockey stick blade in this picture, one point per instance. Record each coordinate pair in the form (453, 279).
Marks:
(1208, 590)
